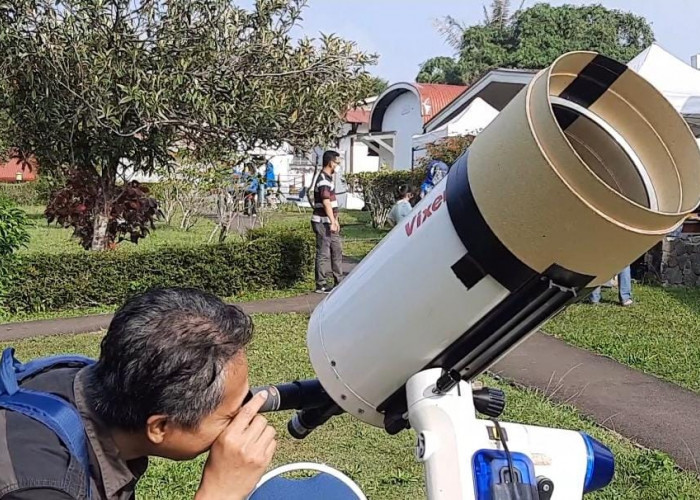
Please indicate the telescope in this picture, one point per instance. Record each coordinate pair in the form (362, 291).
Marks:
(585, 170)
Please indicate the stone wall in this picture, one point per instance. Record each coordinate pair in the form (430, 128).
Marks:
(675, 261)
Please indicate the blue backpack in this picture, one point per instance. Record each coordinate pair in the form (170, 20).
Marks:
(54, 412)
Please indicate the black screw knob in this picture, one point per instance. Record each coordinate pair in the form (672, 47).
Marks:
(489, 402)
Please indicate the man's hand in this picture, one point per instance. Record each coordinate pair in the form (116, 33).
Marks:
(238, 458)
(335, 227)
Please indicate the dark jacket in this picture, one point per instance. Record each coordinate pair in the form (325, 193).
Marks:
(34, 465)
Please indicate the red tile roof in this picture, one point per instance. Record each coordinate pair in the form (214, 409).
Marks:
(9, 170)
(436, 96)
(357, 116)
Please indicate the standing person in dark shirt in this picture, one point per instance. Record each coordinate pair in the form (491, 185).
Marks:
(324, 222)
(171, 381)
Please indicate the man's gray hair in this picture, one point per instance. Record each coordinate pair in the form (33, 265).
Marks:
(166, 353)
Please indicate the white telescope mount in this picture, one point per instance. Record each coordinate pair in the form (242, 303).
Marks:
(468, 458)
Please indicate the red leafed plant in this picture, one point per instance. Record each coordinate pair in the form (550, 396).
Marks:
(131, 212)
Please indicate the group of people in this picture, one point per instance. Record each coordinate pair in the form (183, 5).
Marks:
(256, 183)
(171, 381)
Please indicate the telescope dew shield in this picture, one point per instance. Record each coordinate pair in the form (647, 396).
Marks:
(585, 170)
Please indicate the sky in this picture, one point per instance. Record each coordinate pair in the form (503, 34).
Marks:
(401, 32)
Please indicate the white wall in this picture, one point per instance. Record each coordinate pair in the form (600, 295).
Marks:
(362, 161)
(355, 153)
(403, 116)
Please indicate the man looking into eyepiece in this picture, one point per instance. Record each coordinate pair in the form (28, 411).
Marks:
(171, 381)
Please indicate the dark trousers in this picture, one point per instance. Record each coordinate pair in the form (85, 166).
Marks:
(328, 249)
(249, 205)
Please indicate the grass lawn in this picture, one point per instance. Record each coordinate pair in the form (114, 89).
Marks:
(359, 236)
(54, 239)
(659, 334)
(382, 464)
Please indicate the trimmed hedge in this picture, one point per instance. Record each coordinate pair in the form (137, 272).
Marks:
(21, 193)
(267, 259)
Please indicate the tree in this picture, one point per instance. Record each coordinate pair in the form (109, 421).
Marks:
(446, 150)
(440, 70)
(498, 16)
(103, 87)
(533, 38)
(376, 85)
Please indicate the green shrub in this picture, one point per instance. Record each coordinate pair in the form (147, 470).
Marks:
(447, 150)
(13, 235)
(379, 189)
(13, 228)
(268, 259)
(21, 193)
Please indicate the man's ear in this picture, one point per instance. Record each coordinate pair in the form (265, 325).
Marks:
(156, 428)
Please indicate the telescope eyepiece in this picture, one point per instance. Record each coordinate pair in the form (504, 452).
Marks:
(308, 396)
(297, 395)
(305, 421)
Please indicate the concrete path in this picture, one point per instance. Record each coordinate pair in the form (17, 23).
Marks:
(646, 409)
(649, 411)
(87, 324)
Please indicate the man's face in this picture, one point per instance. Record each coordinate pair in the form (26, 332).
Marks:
(186, 444)
(334, 164)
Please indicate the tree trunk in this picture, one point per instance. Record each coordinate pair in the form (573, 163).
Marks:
(99, 235)
(108, 179)
(310, 189)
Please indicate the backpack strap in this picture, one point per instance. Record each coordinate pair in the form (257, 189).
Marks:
(54, 412)
(31, 368)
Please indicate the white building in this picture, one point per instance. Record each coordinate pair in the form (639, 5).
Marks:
(401, 112)
(356, 154)
(407, 115)
(471, 121)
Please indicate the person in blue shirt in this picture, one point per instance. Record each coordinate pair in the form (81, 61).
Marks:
(437, 170)
(251, 183)
(270, 180)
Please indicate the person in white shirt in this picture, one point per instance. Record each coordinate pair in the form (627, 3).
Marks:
(402, 207)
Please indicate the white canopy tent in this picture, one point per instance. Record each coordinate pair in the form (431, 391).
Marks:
(677, 81)
(472, 120)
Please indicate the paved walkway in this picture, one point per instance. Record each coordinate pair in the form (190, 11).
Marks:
(88, 324)
(646, 409)
(649, 411)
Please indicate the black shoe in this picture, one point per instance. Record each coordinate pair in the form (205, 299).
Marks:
(324, 289)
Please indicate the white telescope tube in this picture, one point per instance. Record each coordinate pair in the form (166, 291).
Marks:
(585, 170)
